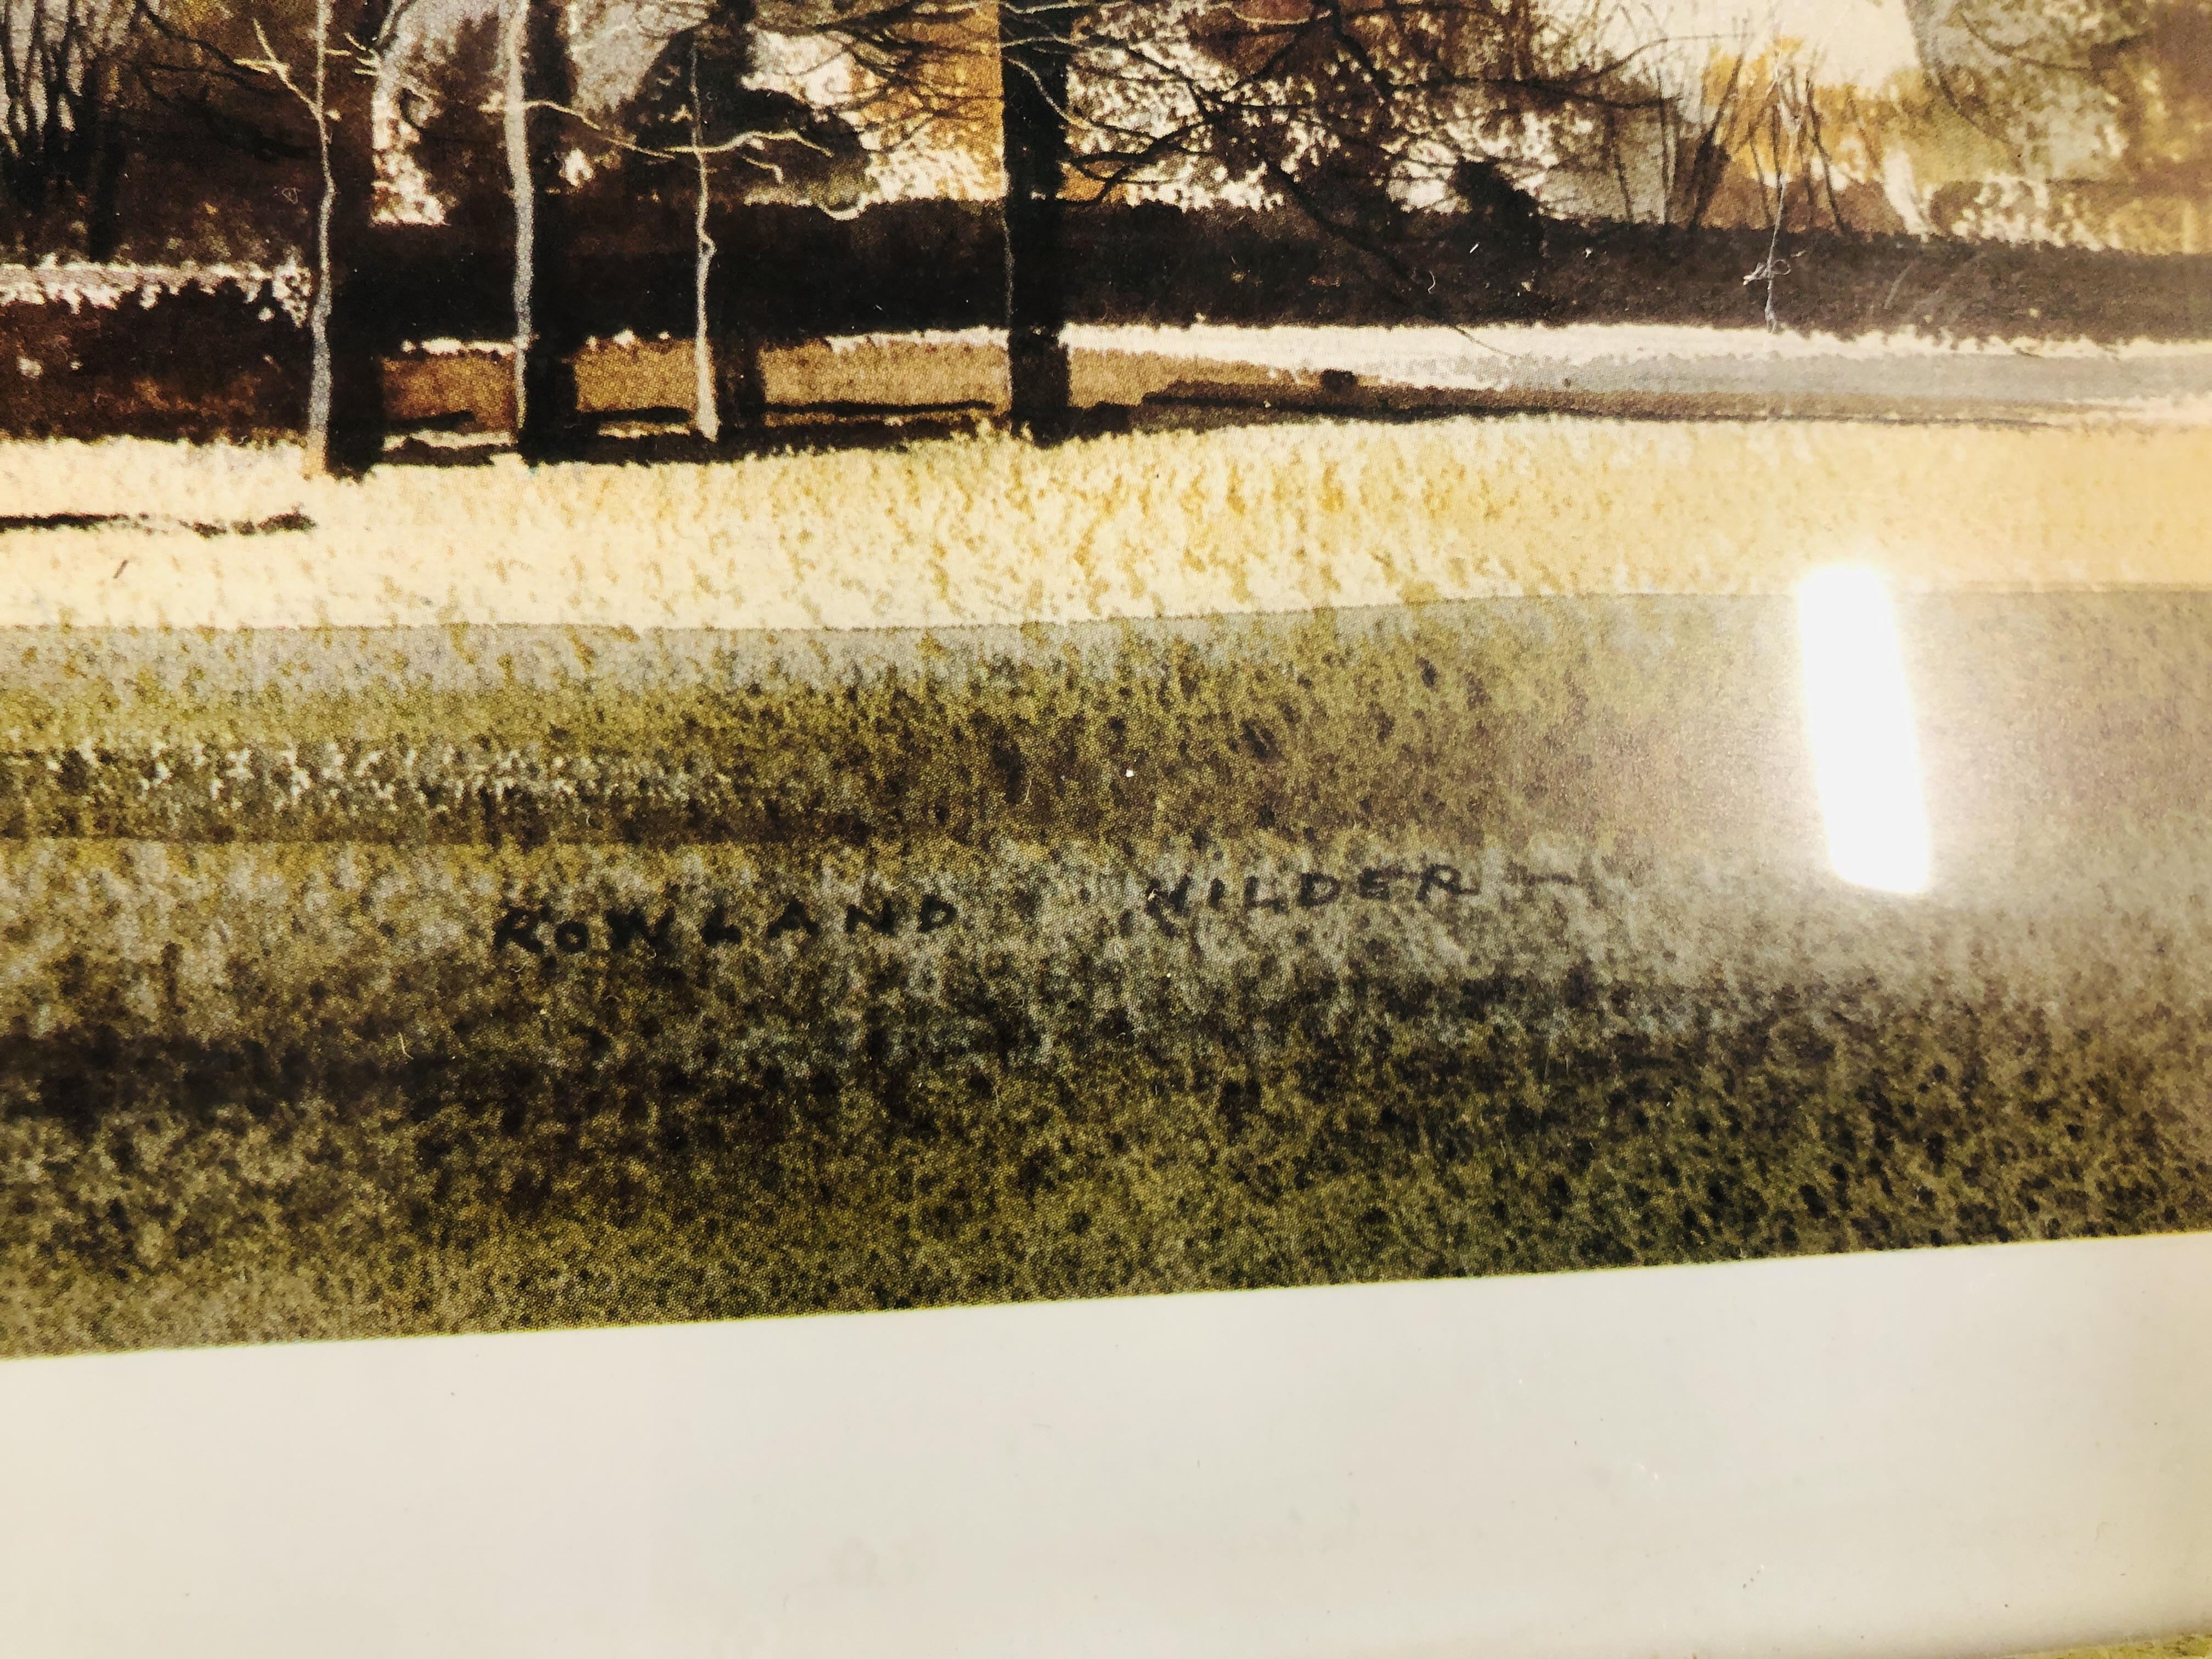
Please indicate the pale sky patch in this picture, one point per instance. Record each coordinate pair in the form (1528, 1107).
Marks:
(1861, 41)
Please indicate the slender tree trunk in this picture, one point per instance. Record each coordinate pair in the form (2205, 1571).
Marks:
(740, 393)
(706, 387)
(514, 132)
(103, 215)
(706, 411)
(1034, 50)
(547, 330)
(318, 313)
(355, 330)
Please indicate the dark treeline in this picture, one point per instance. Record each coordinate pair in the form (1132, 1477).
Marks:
(235, 364)
(795, 274)
(455, 171)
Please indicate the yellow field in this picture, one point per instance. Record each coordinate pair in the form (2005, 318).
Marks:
(990, 530)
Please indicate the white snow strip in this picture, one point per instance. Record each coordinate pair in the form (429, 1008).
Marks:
(1300, 347)
(106, 286)
(1906, 371)
(991, 339)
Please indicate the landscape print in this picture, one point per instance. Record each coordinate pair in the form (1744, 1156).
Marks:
(675, 660)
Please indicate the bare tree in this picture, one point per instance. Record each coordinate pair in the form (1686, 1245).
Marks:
(1704, 108)
(706, 400)
(2049, 80)
(294, 79)
(536, 110)
(312, 87)
(698, 107)
(62, 128)
(1360, 113)
(896, 49)
(1036, 49)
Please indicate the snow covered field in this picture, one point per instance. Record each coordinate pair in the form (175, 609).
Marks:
(987, 530)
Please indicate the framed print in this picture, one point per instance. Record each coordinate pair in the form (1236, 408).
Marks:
(667, 662)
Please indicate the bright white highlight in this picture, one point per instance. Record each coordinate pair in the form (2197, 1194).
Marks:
(1866, 755)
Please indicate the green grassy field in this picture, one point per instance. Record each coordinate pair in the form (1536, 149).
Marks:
(360, 984)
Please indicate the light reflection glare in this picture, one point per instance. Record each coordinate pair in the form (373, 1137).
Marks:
(1866, 753)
